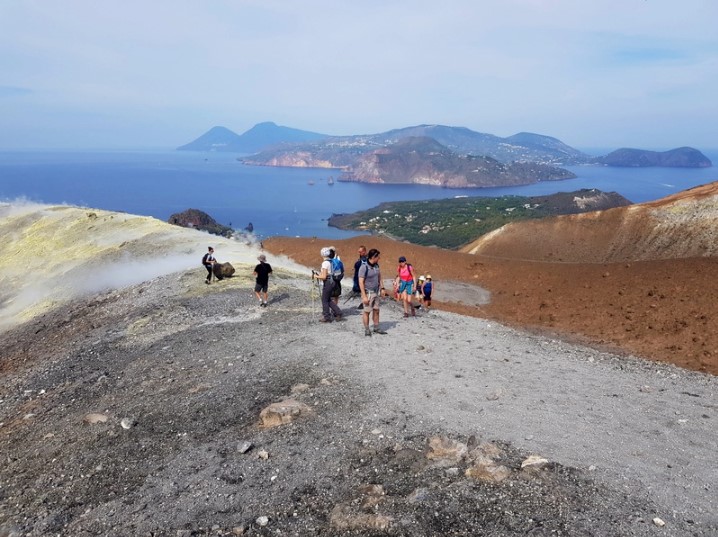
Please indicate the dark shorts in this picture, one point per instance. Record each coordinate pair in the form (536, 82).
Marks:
(337, 291)
(261, 288)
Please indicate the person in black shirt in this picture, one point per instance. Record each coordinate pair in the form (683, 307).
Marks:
(208, 261)
(261, 273)
(362, 259)
(359, 262)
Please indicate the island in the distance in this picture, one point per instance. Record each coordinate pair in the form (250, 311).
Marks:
(681, 157)
(435, 155)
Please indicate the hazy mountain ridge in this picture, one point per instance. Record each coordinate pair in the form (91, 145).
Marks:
(259, 137)
(681, 157)
(343, 150)
(466, 158)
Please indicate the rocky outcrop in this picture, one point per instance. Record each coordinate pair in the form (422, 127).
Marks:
(194, 218)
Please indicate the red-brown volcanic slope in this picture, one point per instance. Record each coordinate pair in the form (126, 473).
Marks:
(663, 309)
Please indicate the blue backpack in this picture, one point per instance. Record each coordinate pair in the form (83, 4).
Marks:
(337, 269)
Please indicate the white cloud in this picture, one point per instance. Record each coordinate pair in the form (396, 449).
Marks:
(346, 67)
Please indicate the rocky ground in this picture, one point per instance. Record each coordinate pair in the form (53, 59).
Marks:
(144, 412)
(662, 310)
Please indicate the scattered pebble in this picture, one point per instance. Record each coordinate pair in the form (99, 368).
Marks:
(244, 446)
(95, 418)
(127, 423)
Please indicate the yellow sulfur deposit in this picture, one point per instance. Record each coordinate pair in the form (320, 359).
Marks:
(51, 254)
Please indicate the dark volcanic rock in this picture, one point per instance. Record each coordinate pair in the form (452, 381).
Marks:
(223, 270)
(197, 219)
(682, 157)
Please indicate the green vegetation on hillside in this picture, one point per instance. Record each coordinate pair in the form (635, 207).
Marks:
(451, 223)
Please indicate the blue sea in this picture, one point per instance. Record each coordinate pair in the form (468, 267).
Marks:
(277, 201)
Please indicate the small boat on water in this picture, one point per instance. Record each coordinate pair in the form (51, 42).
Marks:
(310, 183)
(330, 180)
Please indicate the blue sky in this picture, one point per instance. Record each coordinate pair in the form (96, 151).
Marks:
(157, 74)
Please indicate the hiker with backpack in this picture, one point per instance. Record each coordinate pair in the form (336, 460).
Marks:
(406, 281)
(372, 289)
(331, 273)
(208, 261)
(338, 271)
(357, 264)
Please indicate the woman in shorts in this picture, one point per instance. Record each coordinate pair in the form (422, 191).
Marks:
(406, 281)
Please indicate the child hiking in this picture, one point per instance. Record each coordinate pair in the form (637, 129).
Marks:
(426, 289)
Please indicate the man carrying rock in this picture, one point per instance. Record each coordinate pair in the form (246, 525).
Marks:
(371, 288)
(208, 261)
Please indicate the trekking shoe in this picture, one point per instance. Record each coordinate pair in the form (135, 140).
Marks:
(378, 330)
(323, 320)
(339, 318)
(406, 315)
(367, 332)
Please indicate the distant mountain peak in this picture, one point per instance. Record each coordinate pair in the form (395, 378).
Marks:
(261, 136)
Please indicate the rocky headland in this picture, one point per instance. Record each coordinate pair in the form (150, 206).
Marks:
(423, 161)
(196, 219)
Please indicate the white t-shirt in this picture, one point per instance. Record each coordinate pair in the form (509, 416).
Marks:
(327, 264)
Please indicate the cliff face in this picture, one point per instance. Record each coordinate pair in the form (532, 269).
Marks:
(423, 161)
(295, 159)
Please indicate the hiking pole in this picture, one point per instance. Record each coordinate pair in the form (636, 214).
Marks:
(313, 292)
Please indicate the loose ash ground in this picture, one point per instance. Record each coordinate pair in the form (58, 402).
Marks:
(136, 412)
